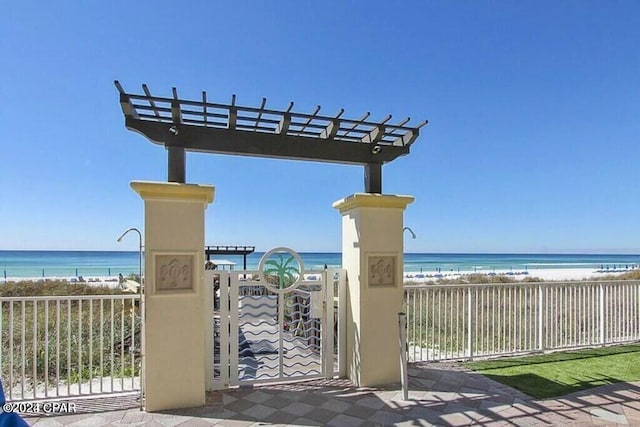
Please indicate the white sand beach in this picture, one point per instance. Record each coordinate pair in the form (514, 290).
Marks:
(553, 274)
(106, 281)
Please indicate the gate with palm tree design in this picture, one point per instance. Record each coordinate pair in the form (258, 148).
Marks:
(277, 323)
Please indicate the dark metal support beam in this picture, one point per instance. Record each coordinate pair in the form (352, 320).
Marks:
(177, 156)
(177, 159)
(373, 178)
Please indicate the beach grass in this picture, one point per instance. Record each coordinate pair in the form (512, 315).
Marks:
(485, 279)
(478, 278)
(72, 328)
(558, 374)
(52, 288)
(631, 275)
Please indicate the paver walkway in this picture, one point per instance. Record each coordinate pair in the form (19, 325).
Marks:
(439, 395)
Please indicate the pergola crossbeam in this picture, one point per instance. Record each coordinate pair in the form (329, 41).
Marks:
(354, 125)
(176, 112)
(189, 125)
(283, 124)
(375, 136)
(150, 99)
(205, 114)
(308, 121)
(233, 114)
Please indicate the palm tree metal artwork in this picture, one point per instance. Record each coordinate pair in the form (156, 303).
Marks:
(283, 269)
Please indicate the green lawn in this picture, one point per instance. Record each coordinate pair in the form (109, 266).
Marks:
(557, 374)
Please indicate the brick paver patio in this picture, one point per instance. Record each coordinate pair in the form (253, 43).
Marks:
(439, 395)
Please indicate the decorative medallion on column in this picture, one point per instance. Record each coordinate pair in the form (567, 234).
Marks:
(382, 270)
(174, 273)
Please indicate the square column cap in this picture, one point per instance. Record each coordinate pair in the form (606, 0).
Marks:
(149, 190)
(368, 200)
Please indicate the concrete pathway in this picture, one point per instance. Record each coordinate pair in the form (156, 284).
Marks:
(442, 395)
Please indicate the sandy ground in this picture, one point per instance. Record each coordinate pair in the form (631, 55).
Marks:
(556, 274)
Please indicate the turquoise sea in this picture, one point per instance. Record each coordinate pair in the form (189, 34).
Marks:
(105, 263)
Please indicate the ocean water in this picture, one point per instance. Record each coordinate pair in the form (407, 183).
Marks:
(109, 263)
(67, 263)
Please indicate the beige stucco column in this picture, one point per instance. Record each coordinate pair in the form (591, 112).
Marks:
(372, 254)
(174, 295)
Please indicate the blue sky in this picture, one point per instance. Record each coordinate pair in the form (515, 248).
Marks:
(533, 143)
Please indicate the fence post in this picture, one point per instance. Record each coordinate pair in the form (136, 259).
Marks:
(602, 322)
(209, 304)
(469, 323)
(541, 310)
(342, 323)
(404, 378)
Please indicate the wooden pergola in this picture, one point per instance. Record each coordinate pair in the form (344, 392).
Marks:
(230, 250)
(199, 125)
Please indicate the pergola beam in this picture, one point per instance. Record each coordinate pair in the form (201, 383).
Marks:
(260, 144)
(198, 125)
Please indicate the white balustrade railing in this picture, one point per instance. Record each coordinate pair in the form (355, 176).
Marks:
(61, 346)
(446, 322)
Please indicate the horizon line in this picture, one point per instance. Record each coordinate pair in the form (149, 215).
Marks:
(635, 252)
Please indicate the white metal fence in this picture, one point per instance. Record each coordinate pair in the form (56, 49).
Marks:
(60, 346)
(446, 322)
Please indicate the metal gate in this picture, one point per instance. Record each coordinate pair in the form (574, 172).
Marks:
(277, 323)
